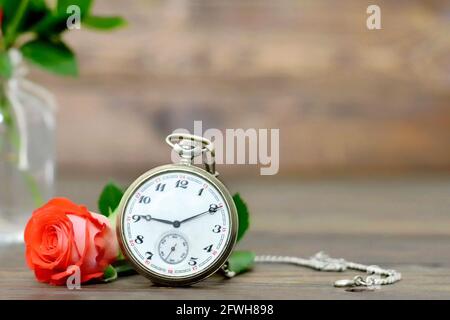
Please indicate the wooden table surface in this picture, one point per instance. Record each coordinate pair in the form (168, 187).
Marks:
(401, 223)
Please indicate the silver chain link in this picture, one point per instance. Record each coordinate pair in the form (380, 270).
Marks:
(322, 262)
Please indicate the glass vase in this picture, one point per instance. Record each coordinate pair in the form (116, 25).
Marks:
(27, 150)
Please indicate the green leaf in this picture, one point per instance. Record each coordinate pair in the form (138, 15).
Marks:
(52, 56)
(109, 199)
(56, 22)
(9, 9)
(124, 268)
(118, 268)
(104, 23)
(5, 65)
(110, 274)
(52, 24)
(20, 16)
(35, 12)
(243, 216)
(5, 111)
(241, 261)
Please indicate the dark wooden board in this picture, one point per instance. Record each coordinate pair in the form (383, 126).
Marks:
(396, 223)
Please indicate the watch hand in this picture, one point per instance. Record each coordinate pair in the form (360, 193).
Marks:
(148, 217)
(212, 209)
(163, 221)
(171, 250)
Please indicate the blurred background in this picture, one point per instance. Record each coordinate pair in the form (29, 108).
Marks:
(364, 120)
(347, 100)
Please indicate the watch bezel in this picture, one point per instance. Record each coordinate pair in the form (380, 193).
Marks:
(219, 261)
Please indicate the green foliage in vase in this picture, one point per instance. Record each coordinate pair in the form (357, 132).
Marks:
(36, 28)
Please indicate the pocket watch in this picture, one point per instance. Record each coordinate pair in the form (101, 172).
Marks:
(177, 223)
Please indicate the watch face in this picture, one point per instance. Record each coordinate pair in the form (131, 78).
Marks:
(177, 224)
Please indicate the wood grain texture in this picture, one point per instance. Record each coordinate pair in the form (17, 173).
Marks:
(395, 223)
(345, 98)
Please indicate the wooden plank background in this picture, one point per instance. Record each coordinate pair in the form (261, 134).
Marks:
(345, 99)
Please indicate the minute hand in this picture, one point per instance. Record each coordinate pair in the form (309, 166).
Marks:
(212, 208)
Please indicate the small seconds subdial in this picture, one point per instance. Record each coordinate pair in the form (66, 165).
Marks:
(173, 248)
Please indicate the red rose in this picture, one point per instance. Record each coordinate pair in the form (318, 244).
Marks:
(62, 234)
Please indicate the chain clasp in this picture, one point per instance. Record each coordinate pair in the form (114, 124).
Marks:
(189, 146)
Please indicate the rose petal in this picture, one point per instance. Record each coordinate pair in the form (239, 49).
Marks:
(62, 234)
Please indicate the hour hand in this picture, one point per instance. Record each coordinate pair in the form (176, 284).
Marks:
(148, 217)
(163, 221)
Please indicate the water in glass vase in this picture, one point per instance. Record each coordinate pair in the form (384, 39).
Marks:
(27, 155)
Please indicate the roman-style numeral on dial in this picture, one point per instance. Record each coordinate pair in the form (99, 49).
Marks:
(160, 187)
(208, 248)
(200, 191)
